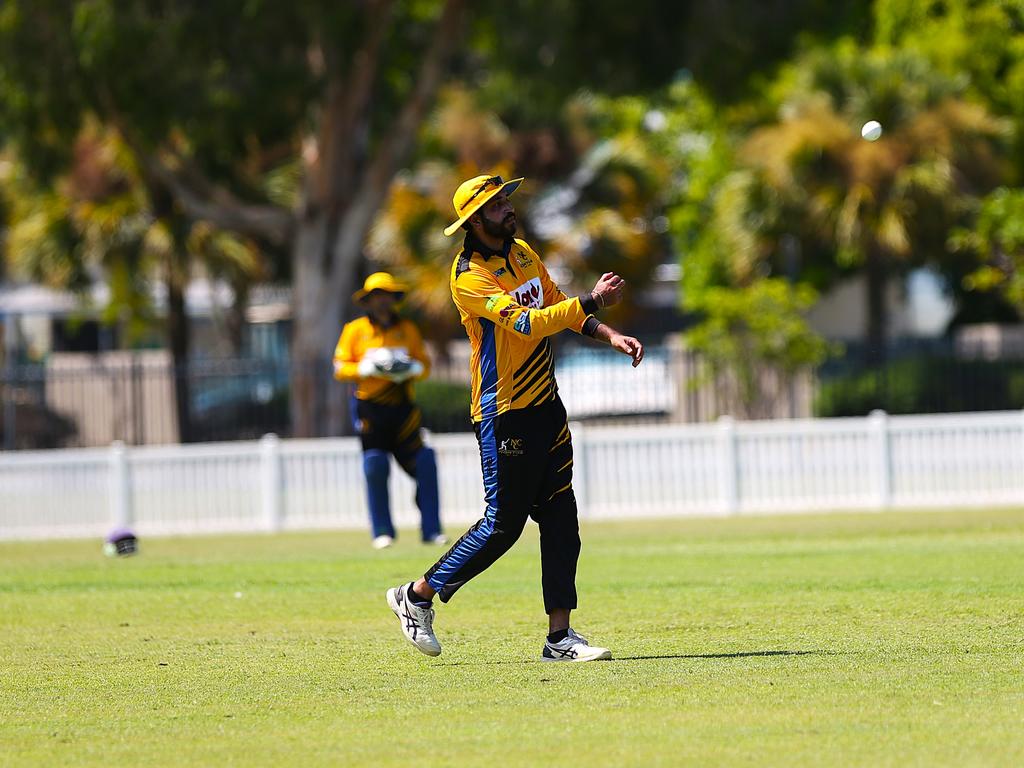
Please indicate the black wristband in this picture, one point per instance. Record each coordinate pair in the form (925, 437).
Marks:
(590, 326)
(589, 303)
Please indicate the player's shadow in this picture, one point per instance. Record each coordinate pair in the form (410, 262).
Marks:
(737, 655)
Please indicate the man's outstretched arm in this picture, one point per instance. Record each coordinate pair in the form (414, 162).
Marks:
(477, 293)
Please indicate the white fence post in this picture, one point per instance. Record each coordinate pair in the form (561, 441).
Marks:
(120, 486)
(878, 422)
(1021, 489)
(272, 490)
(726, 468)
(729, 465)
(579, 468)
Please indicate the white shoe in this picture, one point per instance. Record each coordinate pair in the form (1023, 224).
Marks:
(440, 540)
(574, 648)
(383, 542)
(417, 622)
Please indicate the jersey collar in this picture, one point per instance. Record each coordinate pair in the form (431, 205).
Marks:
(473, 245)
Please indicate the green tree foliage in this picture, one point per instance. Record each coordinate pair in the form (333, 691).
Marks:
(750, 334)
(978, 41)
(285, 123)
(96, 221)
(996, 240)
(637, 161)
(282, 123)
(280, 129)
(91, 221)
(609, 213)
(880, 207)
(729, 46)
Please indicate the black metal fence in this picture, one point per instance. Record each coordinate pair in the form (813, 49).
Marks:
(78, 399)
(919, 376)
(92, 400)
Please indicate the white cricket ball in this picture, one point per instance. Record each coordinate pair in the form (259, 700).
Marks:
(871, 130)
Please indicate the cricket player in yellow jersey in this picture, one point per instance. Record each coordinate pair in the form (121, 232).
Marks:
(383, 353)
(510, 307)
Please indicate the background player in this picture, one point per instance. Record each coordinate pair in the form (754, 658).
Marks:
(384, 354)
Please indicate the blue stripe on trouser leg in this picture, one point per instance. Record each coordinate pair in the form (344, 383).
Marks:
(455, 567)
(426, 493)
(476, 537)
(357, 422)
(376, 468)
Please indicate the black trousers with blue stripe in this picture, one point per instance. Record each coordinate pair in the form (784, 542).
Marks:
(526, 457)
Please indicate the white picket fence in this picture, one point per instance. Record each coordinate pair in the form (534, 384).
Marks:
(724, 468)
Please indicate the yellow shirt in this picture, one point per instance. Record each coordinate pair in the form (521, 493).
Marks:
(509, 306)
(362, 335)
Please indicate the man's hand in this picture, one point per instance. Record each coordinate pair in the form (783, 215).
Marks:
(392, 364)
(627, 345)
(608, 290)
(367, 367)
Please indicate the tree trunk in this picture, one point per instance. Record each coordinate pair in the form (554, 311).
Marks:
(343, 190)
(322, 300)
(308, 338)
(178, 340)
(235, 316)
(876, 281)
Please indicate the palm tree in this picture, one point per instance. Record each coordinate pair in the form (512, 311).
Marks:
(100, 223)
(407, 238)
(407, 234)
(873, 206)
(995, 244)
(605, 210)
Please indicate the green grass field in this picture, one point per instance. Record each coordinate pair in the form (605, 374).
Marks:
(891, 639)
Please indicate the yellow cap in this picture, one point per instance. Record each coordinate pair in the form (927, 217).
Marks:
(474, 194)
(379, 281)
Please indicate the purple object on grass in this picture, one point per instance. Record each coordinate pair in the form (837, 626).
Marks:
(121, 542)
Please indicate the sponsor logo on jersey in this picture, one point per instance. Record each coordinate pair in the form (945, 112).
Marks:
(529, 294)
(522, 259)
(492, 301)
(522, 323)
(511, 446)
(501, 271)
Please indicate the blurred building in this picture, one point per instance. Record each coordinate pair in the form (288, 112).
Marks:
(68, 378)
(917, 308)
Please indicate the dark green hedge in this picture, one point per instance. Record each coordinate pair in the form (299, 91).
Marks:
(924, 385)
(445, 405)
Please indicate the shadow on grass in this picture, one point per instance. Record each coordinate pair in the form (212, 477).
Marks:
(737, 655)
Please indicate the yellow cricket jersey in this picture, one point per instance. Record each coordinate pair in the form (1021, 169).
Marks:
(509, 306)
(363, 334)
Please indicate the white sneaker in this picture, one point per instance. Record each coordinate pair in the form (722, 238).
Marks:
(417, 622)
(574, 648)
(383, 542)
(440, 540)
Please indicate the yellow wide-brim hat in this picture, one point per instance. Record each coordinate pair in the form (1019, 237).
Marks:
(379, 281)
(474, 194)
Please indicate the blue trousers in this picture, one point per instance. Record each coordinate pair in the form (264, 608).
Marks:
(394, 430)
